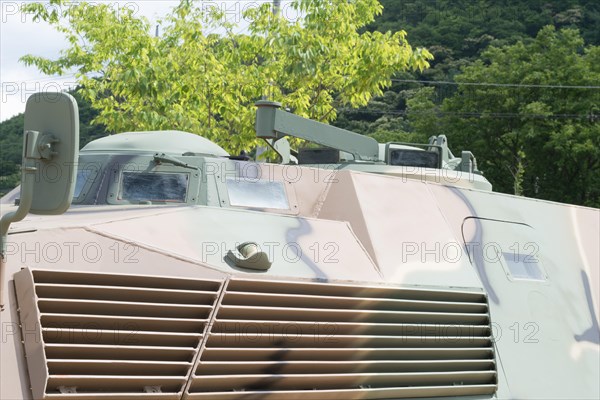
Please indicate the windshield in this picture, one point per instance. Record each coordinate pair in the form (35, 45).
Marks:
(163, 187)
(257, 193)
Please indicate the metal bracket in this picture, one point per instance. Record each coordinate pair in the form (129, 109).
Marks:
(282, 147)
(27, 183)
(46, 146)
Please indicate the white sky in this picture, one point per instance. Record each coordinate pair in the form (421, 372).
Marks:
(20, 35)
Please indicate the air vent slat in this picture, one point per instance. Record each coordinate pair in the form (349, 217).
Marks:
(107, 279)
(329, 367)
(96, 383)
(341, 315)
(123, 308)
(339, 381)
(355, 303)
(267, 340)
(342, 290)
(350, 394)
(113, 367)
(112, 322)
(119, 337)
(115, 353)
(342, 354)
(123, 293)
(113, 396)
(291, 328)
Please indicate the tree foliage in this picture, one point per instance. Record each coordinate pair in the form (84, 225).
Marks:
(192, 79)
(537, 141)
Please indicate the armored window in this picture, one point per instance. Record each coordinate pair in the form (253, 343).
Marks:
(414, 158)
(86, 175)
(160, 187)
(257, 193)
(82, 177)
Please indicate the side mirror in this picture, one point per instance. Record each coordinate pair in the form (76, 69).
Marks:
(48, 167)
(51, 145)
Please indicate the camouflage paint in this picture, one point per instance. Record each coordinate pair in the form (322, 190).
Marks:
(385, 228)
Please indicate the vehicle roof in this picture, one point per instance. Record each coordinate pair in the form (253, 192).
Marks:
(169, 142)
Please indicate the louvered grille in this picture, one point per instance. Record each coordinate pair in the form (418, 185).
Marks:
(116, 336)
(121, 337)
(275, 340)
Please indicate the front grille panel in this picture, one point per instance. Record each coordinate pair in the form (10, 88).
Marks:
(116, 337)
(319, 341)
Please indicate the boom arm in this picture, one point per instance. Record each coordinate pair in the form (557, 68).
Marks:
(274, 123)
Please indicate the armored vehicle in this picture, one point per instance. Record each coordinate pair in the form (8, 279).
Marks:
(355, 270)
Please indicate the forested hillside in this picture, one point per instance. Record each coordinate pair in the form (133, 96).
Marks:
(516, 82)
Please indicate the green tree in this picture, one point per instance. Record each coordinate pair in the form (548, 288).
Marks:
(206, 83)
(458, 31)
(423, 112)
(538, 141)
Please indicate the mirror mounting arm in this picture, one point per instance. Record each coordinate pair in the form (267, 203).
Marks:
(27, 183)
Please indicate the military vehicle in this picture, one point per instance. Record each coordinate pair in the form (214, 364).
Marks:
(355, 270)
